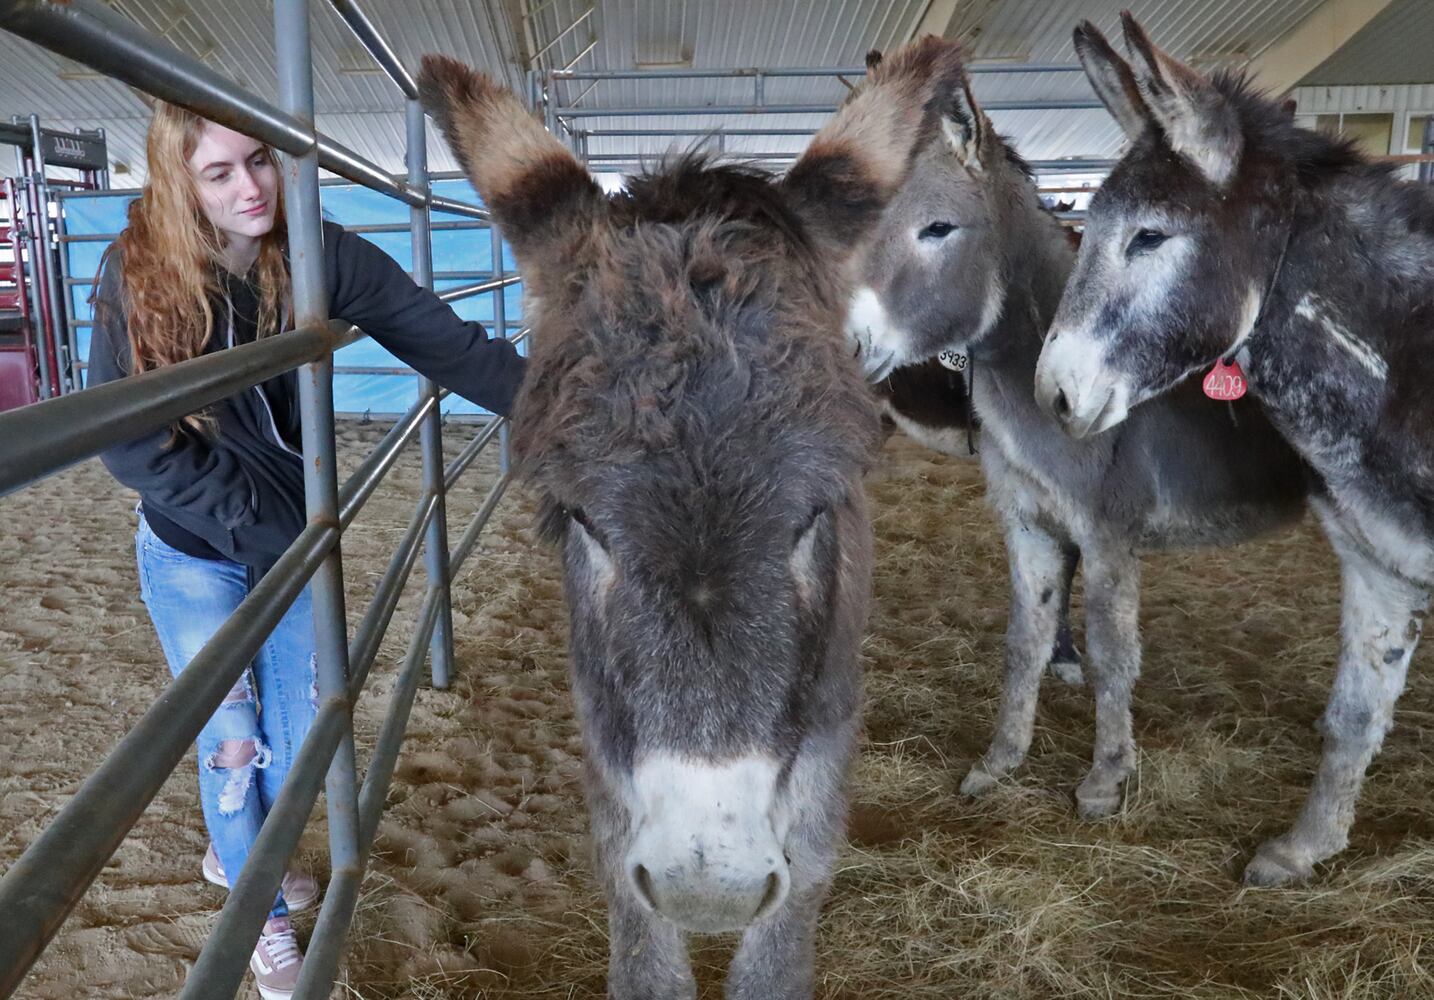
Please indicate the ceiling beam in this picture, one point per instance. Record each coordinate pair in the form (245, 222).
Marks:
(1291, 57)
(936, 19)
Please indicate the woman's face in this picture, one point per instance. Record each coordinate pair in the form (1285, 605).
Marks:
(237, 183)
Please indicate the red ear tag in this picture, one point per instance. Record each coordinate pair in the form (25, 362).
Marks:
(1225, 383)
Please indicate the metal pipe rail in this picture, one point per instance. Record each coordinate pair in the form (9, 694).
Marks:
(42, 439)
(104, 40)
(789, 71)
(39, 891)
(795, 109)
(466, 291)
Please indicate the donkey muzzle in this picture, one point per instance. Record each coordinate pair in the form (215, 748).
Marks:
(1077, 388)
(707, 853)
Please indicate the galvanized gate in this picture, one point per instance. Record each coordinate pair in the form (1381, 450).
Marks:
(41, 888)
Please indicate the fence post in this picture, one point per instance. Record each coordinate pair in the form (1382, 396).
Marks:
(500, 327)
(60, 361)
(316, 402)
(431, 434)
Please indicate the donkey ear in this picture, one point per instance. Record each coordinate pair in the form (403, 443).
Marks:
(1112, 79)
(1199, 123)
(856, 163)
(539, 194)
(966, 128)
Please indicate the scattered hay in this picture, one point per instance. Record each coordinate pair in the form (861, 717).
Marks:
(481, 886)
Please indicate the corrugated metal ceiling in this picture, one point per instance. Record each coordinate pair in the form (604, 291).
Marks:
(359, 108)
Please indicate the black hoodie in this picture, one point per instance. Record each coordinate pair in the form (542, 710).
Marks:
(239, 494)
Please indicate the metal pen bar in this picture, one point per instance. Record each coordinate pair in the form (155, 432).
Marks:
(796, 109)
(790, 71)
(346, 163)
(533, 61)
(390, 740)
(372, 370)
(365, 479)
(66, 283)
(470, 452)
(402, 227)
(441, 204)
(475, 527)
(36, 441)
(105, 40)
(369, 37)
(92, 34)
(327, 943)
(431, 435)
(39, 307)
(58, 334)
(582, 53)
(454, 294)
(602, 133)
(316, 405)
(220, 967)
(364, 646)
(500, 321)
(41, 888)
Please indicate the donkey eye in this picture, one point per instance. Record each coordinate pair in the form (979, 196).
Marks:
(1145, 241)
(579, 517)
(811, 519)
(936, 231)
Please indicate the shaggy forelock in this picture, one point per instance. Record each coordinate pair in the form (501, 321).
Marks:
(706, 315)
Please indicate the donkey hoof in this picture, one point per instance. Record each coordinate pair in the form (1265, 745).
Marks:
(978, 781)
(1098, 802)
(1274, 865)
(1068, 671)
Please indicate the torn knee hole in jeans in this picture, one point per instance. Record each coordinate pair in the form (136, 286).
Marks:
(242, 693)
(239, 759)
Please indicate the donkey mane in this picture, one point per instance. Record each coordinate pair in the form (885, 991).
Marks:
(691, 186)
(1315, 156)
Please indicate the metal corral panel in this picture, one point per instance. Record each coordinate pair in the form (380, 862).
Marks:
(354, 101)
(1397, 46)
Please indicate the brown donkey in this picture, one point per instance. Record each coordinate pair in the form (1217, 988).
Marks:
(697, 432)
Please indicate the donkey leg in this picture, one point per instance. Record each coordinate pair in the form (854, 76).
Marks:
(1037, 574)
(1382, 618)
(1065, 658)
(647, 955)
(777, 957)
(1112, 607)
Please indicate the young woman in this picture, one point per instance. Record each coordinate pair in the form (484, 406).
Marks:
(202, 266)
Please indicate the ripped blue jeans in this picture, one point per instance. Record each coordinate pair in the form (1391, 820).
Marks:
(248, 746)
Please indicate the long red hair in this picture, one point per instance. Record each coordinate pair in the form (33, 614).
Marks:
(171, 254)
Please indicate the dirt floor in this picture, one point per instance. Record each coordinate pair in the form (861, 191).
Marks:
(481, 885)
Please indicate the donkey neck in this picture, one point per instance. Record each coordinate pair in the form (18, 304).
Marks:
(1041, 261)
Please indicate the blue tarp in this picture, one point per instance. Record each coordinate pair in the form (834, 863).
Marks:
(348, 205)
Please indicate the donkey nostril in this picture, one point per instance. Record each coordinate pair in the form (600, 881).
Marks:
(1062, 405)
(643, 883)
(770, 897)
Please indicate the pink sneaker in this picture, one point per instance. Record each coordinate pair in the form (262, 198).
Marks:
(300, 889)
(277, 960)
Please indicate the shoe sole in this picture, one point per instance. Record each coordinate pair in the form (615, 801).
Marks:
(295, 906)
(269, 994)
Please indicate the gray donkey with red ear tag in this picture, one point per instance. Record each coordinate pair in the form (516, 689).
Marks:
(1228, 232)
(697, 431)
(967, 259)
